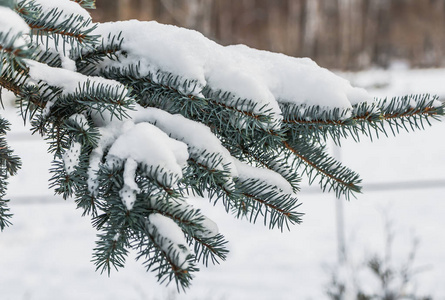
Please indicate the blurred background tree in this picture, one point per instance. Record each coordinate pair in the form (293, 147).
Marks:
(341, 34)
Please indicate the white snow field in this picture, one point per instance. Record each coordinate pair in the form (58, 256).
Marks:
(46, 254)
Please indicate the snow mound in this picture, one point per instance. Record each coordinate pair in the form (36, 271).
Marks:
(66, 9)
(12, 23)
(150, 146)
(264, 77)
(196, 135)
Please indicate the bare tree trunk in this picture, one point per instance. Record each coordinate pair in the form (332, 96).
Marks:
(384, 30)
(370, 31)
(199, 15)
(225, 22)
(351, 23)
(107, 10)
(124, 9)
(174, 11)
(345, 30)
(329, 35)
(311, 27)
(146, 10)
(438, 33)
(293, 30)
(276, 38)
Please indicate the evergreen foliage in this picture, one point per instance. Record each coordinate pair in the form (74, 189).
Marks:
(9, 165)
(96, 120)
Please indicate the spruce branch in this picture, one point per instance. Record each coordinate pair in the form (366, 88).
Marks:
(55, 25)
(207, 244)
(316, 163)
(274, 161)
(210, 248)
(83, 131)
(111, 250)
(155, 90)
(9, 165)
(243, 108)
(61, 181)
(13, 50)
(5, 214)
(31, 96)
(150, 202)
(48, 57)
(255, 133)
(94, 100)
(407, 112)
(98, 97)
(410, 112)
(203, 180)
(277, 208)
(7, 3)
(318, 122)
(88, 59)
(175, 95)
(161, 257)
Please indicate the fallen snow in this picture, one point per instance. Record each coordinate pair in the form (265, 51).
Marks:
(130, 188)
(298, 80)
(71, 157)
(210, 228)
(66, 8)
(107, 138)
(81, 120)
(272, 178)
(149, 146)
(198, 136)
(263, 77)
(69, 81)
(172, 239)
(11, 22)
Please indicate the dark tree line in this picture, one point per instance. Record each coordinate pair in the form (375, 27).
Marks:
(347, 34)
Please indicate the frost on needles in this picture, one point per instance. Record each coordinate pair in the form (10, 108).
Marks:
(140, 116)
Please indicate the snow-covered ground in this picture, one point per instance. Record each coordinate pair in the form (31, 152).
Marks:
(46, 253)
